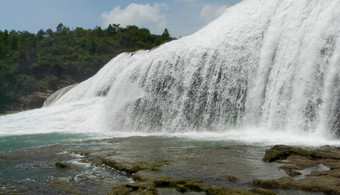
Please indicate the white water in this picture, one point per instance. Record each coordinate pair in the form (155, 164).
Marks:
(265, 71)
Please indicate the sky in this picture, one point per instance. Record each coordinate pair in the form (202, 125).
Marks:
(180, 17)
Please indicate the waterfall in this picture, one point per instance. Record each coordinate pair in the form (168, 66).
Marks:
(263, 64)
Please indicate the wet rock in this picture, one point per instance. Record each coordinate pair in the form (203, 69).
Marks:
(313, 170)
(62, 165)
(62, 186)
(142, 188)
(230, 178)
(280, 152)
(181, 185)
(320, 184)
(291, 170)
(11, 187)
(173, 191)
(334, 173)
(263, 191)
(133, 167)
(300, 161)
(219, 190)
(282, 183)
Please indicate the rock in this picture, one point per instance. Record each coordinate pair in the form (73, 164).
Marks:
(291, 170)
(320, 168)
(219, 190)
(334, 173)
(282, 183)
(61, 186)
(232, 178)
(281, 152)
(134, 167)
(35, 100)
(181, 185)
(262, 191)
(321, 184)
(142, 188)
(62, 165)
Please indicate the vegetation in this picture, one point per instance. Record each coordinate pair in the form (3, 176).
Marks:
(50, 60)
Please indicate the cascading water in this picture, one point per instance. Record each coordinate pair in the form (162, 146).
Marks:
(261, 65)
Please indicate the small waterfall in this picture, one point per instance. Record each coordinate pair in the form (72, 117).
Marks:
(263, 64)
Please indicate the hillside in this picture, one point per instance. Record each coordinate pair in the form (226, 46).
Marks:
(34, 65)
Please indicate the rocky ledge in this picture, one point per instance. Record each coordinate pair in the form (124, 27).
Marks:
(310, 170)
(155, 165)
(149, 181)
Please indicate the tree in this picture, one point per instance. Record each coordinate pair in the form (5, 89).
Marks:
(92, 47)
(60, 27)
(7, 85)
(116, 27)
(23, 62)
(41, 34)
(166, 34)
(98, 31)
(80, 32)
(49, 32)
(13, 40)
(110, 30)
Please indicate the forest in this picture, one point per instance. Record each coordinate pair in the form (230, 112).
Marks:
(49, 60)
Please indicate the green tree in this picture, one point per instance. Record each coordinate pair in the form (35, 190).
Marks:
(7, 85)
(110, 30)
(49, 32)
(166, 34)
(41, 34)
(92, 47)
(60, 27)
(13, 40)
(98, 30)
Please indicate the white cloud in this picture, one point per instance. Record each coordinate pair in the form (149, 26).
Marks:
(211, 12)
(147, 15)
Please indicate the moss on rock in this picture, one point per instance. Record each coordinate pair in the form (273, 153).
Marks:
(150, 186)
(136, 188)
(280, 152)
(322, 184)
(232, 178)
(282, 183)
(134, 167)
(323, 180)
(182, 185)
(263, 191)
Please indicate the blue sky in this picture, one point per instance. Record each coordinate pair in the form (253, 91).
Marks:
(181, 17)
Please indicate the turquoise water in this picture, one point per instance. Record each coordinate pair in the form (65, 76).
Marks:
(27, 166)
(20, 142)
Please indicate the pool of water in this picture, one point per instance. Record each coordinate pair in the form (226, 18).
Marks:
(14, 143)
(28, 165)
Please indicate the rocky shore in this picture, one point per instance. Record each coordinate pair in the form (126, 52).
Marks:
(309, 170)
(165, 165)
